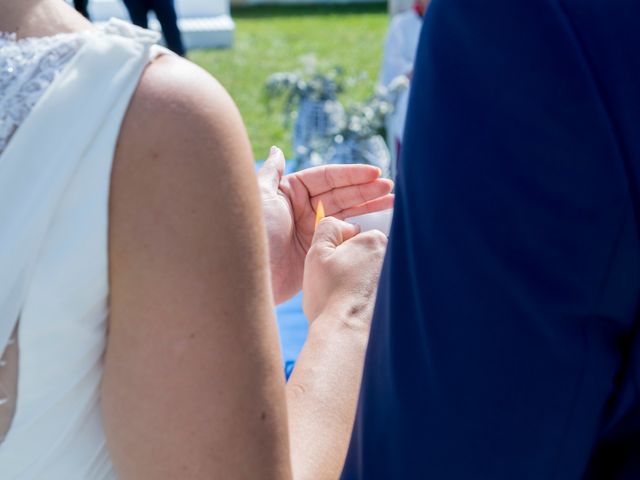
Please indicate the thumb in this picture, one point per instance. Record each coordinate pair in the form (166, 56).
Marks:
(332, 232)
(271, 172)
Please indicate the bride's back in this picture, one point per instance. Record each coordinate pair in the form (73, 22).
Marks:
(27, 69)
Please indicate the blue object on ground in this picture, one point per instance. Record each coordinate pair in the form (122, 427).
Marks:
(292, 325)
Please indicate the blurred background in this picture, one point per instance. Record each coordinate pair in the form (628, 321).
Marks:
(306, 75)
(270, 39)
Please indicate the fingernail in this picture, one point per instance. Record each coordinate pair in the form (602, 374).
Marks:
(274, 150)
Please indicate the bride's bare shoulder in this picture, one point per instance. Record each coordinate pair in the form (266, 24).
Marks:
(189, 289)
(182, 120)
(182, 144)
(176, 102)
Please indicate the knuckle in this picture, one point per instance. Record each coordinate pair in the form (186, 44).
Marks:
(380, 237)
(319, 257)
(327, 224)
(374, 239)
(325, 261)
(314, 252)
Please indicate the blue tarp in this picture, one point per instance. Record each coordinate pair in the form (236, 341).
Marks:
(292, 325)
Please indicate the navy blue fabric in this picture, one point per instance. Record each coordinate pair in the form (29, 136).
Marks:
(81, 6)
(505, 340)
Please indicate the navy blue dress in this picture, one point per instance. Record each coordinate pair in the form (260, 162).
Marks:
(505, 341)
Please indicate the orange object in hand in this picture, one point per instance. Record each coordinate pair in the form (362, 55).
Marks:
(319, 213)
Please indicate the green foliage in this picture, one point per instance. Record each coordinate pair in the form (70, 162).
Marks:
(276, 39)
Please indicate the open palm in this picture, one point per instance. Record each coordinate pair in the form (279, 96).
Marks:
(290, 202)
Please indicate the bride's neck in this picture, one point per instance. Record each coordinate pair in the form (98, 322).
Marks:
(37, 18)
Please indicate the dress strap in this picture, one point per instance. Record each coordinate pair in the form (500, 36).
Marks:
(44, 153)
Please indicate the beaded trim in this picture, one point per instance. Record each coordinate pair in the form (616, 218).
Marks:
(28, 66)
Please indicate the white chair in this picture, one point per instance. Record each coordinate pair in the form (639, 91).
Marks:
(203, 23)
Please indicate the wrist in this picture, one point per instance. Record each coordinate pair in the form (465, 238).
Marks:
(348, 314)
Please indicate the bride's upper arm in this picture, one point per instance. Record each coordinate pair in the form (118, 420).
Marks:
(193, 382)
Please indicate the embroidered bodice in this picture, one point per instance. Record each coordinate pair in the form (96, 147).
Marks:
(27, 68)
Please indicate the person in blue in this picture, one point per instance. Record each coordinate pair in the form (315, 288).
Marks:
(506, 342)
(165, 11)
(82, 6)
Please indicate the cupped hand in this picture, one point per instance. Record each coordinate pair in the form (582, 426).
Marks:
(341, 272)
(289, 203)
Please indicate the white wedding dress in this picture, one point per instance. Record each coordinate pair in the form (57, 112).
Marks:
(62, 101)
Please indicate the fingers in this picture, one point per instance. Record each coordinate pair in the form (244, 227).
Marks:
(345, 198)
(271, 172)
(377, 205)
(322, 179)
(332, 232)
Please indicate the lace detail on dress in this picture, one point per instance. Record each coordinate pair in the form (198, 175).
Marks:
(29, 66)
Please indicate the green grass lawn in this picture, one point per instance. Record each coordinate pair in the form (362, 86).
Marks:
(272, 39)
